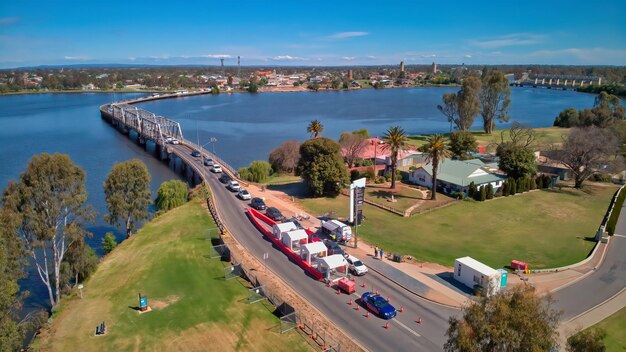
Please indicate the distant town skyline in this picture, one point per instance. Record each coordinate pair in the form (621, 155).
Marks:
(321, 33)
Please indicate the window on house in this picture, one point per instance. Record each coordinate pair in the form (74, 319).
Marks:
(476, 279)
(422, 179)
(458, 273)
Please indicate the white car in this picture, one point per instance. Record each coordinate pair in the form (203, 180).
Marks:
(356, 266)
(175, 141)
(234, 186)
(244, 194)
(216, 169)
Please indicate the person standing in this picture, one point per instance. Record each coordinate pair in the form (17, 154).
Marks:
(375, 251)
(381, 254)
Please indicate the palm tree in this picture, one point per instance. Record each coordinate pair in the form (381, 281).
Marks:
(395, 141)
(315, 128)
(437, 150)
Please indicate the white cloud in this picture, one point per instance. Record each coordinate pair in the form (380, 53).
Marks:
(371, 57)
(217, 56)
(467, 56)
(515, 39)
(76, 58)
(345, 35)
(287, 58)
(348, 58)
(4, 21)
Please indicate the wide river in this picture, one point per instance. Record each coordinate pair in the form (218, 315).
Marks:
(247, 127)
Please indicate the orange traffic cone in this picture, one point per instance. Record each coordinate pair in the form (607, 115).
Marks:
(376, 291)
(387, 326)
(338, 291)
(419, 321)
(387, 299)
(367, 314)
(350, 303)
(363, 285)
(401, 309)
(357, 307)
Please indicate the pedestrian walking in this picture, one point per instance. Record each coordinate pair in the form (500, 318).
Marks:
(381, 254)
(375, 251)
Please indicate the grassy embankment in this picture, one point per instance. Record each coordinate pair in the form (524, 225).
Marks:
(544, 136)
(194, 308)
(544, 228)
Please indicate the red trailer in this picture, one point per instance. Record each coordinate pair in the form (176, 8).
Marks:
(517, 265)
(346, 285)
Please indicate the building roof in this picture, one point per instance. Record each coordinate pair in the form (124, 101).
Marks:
(286, 226)
(478, 266)
(334, 261)
(376, 148)
(458, 172)
(315, 247)
(296, 235)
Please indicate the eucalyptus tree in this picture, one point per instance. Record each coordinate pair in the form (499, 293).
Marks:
(48, 207)
(127, 192)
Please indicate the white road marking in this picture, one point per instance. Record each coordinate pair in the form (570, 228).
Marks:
(616, 235)
(407, 328)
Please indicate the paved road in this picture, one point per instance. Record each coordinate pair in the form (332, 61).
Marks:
(605, 282)
(404, 333)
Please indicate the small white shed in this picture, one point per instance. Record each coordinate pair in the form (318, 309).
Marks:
(333, 266)
(310, 251)
(471, 272)
(279, 229)
(293, 239)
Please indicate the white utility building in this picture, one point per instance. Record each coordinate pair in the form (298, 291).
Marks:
(471, 273)
(279, 229)
(310, 252)
(293, 239)
(333, 267)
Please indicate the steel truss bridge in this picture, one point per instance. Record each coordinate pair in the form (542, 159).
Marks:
(148, 125)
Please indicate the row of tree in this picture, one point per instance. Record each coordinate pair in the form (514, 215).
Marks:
(488, 95)
(607, 109)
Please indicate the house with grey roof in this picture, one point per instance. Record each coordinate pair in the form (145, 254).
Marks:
(456, 175)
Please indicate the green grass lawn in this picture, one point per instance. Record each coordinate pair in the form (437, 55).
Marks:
(194, 308)
(405, 197)
(615, 339)
(282, 179)
(544, 136)
(543, 228)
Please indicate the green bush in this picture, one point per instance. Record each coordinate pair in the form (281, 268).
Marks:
(370, 173)
(533, 183)
(512, 187)
(617, 207)
(471, 190)
(171, 194)
(380, 179)
(109, 242)
(355, 175)
(506, 188)
(490, 191)
(257, 171)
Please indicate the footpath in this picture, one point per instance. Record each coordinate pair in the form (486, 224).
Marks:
(432, 281)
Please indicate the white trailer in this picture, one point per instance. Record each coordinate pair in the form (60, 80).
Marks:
(337, 230)
(279, 229)
(471, 273)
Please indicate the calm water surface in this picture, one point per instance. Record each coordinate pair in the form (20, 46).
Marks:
(249, 126)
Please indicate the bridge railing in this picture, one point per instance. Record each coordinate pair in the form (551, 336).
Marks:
(231, 170)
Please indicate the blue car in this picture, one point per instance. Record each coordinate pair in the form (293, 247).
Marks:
(378, 305)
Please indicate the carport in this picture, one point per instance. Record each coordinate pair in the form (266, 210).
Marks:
(313, 252)
(279, 229)
(333, 267)
(293, 239)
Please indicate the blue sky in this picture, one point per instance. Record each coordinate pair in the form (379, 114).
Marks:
(315, 33)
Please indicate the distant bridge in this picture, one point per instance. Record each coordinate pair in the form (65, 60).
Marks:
(558, 81)
(148, 125)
